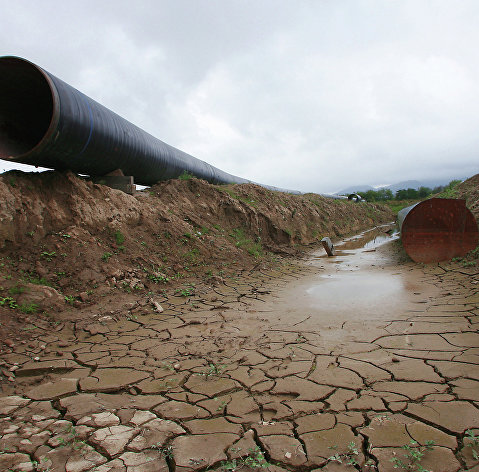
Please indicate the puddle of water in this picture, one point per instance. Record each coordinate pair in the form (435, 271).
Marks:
(354, 280)
(358, 291)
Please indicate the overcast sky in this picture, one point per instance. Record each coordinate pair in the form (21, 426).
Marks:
(309, 95)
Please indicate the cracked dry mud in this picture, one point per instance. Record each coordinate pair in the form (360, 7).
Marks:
(299, 362)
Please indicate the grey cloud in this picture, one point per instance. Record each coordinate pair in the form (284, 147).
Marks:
(308, 95)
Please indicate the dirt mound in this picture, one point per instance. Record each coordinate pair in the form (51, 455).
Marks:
(98, 248)
(469, 190)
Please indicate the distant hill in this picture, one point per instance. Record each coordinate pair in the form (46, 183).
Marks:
(354, 189)
(405, 184)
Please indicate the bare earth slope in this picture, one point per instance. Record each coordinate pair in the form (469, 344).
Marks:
(69, 247)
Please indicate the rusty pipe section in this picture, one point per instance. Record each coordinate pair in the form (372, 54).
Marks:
(437, 230)
(46, 122)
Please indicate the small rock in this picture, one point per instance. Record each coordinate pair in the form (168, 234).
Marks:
(177, 366)
(288, 455)
(83, 296)
(9, 342)
(395, 359)
(156, 304)
(36, 358)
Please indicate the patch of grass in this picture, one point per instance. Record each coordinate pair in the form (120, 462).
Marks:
(106, 256)
(473, 443)
(397, 205)
(213, 370)
(349, 457)
(413, 456)
(119, 237)
(48, 255)
(450, 191)
(192, 255)
(254, 460)
(186, 176)
(70, 299)
(186, 291)
(242, 241)
(28, 308)
(8, 302)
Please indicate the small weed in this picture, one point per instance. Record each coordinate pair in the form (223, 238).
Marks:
(186, 176)
(9, 302)
(166, 451)
(413, 456)
(160, 278)
(28, 308)
(186, 291)
(254, 460)
(48, 255)
(192, 255)
(255, 249)
(349, 457)
(222, 405)
(30, 234)
(70, 299)
(119, 238)
(106, 256)
(213, 370)
(473, 444)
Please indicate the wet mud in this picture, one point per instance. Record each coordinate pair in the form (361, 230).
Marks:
(358, 361)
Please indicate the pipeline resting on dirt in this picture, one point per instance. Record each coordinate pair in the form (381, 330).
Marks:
(46, 122)
(437, 230)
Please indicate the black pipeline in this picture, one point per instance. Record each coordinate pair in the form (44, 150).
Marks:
(46, 122)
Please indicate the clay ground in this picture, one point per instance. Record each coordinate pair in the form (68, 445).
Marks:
(167, 332)
(259, 371)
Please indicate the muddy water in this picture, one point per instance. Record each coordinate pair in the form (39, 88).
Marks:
(359, 286)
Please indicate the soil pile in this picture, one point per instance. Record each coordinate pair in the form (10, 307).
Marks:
(68, 245)
(469, 190)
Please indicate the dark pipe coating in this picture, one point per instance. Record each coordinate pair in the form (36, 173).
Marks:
(46, 122)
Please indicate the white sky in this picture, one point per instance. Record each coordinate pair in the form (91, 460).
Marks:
(310, 95)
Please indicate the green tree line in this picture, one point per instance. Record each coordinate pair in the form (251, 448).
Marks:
(421, 193)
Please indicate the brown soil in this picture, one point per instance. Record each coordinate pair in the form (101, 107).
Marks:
(364, 358)
(70, 249)
(469, 191)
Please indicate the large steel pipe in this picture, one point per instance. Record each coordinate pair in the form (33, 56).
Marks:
(437, 230)
(46, 122)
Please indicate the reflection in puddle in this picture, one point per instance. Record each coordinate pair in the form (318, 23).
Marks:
(348, 281)
(355, 290)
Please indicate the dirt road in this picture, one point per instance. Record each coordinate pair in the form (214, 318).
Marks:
(359, 359)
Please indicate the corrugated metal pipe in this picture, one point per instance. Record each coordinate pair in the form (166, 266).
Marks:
(437, 230)
(46, 122)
